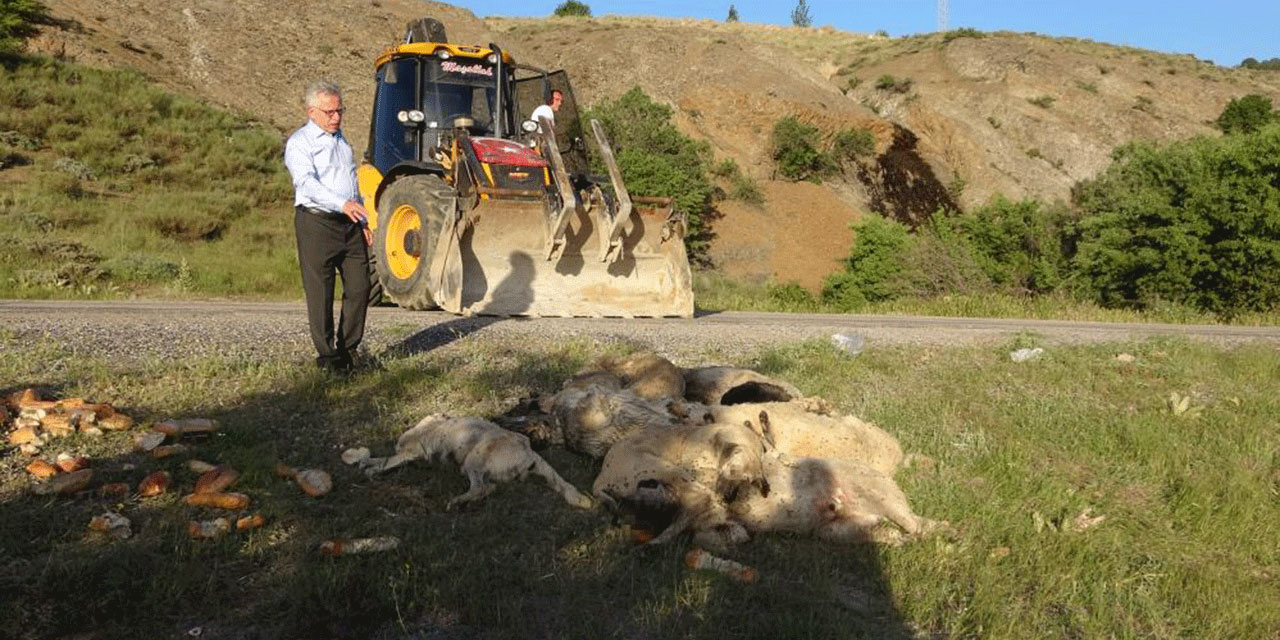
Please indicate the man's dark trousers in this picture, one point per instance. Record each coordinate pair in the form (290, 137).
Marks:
(327, 242)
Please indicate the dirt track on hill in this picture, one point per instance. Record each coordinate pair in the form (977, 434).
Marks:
(153, 330)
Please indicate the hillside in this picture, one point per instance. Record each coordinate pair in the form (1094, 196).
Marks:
(1017, 114)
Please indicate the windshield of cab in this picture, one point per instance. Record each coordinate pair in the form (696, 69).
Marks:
(459, 87)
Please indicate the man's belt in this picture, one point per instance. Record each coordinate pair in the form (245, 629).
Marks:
(332, 215)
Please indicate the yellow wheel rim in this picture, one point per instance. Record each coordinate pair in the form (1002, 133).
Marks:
(402, 263)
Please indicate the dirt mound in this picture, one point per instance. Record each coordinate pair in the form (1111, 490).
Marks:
(954, 118)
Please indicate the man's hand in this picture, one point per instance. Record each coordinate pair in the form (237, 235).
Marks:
(355, 212)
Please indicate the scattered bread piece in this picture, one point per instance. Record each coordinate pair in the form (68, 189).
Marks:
(314, 482)
(186, 426)
(68, 463)
(29, 449)
(24, 435)
(114, 422)
(218, 500)
(359, 545)
(65, 483)
(154, 484)
(285, 471)
(42, 469)
(250, 522)
(58, 425)
(217, 479)
(166, 450)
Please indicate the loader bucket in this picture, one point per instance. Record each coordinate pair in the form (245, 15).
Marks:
(505, 269)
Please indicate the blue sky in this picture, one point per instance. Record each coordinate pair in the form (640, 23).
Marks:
(1226, 31)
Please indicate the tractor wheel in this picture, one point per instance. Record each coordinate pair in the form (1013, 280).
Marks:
(410, 213)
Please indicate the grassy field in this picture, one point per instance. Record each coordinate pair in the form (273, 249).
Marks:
(1190, 546)
(110, 187)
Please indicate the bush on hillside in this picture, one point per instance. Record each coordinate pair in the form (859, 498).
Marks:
(657, 160)
(17, 22)
(1246, 114)
(1195, 223)
(573, 8)
(875, 267)
(1021, 246)
(795, 147)
(852, 144)
(1265, 65)
(733, 14)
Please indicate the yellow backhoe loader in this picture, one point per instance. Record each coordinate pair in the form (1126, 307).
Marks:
(477, 210)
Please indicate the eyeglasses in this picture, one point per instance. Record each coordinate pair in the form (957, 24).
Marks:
(331, 112)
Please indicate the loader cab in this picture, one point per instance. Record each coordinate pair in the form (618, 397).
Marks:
(429, 93)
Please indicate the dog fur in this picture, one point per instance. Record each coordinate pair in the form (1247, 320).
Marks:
(724, 481)
(487, 453)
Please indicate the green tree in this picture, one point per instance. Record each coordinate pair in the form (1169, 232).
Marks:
(733, 14)
(17, 22)
(1195, 222)
(573, 8)
(1246, 115)
(657, 160)
(800, 16)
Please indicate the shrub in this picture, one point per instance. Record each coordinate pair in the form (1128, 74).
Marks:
(733, 14)
(852, 144)
(1023, 245)
(1195, 223)
(794, 146)
(1044, 102)
(887, 82)
(657, 160)
(1267, 65)
(874, 269)
(17, 22)
(573, 8)
(962, 32)
(1246, 115)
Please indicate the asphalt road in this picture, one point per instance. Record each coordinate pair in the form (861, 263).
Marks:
(179, 328)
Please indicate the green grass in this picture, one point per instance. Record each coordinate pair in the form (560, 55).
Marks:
(714, 292)
(1189, 547)
(128, 190)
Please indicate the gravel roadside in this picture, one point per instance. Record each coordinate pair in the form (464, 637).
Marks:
(149, 329)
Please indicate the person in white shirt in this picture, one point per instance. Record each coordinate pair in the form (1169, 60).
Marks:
(331, 225)
(549, 109)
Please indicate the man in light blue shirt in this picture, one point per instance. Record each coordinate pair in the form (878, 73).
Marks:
(331, 225)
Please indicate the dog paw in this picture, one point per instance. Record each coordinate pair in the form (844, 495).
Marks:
(355, 455)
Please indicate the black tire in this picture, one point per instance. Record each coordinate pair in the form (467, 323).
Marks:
(410, 212)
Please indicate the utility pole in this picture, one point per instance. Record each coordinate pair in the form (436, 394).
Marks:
(942, 15)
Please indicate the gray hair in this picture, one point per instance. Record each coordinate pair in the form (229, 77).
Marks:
(323, 87)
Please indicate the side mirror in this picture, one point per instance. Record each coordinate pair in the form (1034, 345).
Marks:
(529, 126)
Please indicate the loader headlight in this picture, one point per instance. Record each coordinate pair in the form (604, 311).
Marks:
(491, 58)
(410, 116)
(403, 117)
(529, 126)
(417, 116)
(443, 54)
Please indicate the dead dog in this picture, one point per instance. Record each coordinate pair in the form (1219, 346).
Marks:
(836, 500)
(725, 481)
(672, 480)
(795, 430)
(607, 402)
(487, 453)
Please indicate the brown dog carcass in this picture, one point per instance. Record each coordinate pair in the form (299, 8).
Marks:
(487, 453)
(794, 430)
(607, 402)
(723, 480)
(682, 478)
